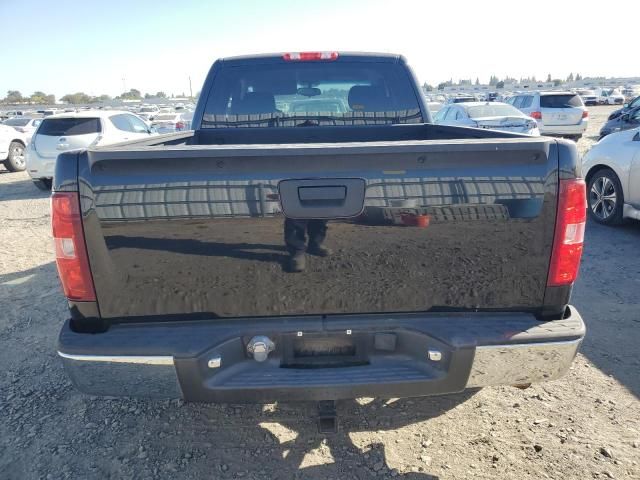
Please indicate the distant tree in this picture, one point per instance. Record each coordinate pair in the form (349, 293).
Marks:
(161, 94)
(493, 80)
(570, 77)
(557, 82)
(76, 98)
(40, 98)
(578, 77)
(132, 94)
(500, 84)
(549, 78)
(13, 96)
(148, 95)
(104, 98)
(425, 86)
(477, 81)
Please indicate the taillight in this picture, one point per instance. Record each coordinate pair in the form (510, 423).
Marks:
(71, 251)
(309, 56)
(179, 125)
(585, 114)
(569, 236)
(536, 115)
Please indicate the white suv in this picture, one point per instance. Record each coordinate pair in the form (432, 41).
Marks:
(71, 131)
(557, 113)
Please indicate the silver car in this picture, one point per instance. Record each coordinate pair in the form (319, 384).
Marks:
(489, 115)
(557, 113)
(612, 173)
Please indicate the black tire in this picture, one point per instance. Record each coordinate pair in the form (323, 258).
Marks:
(43, 184)
(15, 162)
(605, 197)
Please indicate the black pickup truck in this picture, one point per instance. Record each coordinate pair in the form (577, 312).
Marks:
(315, 237)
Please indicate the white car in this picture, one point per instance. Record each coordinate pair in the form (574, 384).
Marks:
(615, 97)
(170, 122)
(557, 113)
(26, 125)
(12, 148)
(71, 131)
(612, 173)
(489, 115)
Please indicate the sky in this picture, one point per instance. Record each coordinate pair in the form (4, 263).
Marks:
(107, 47)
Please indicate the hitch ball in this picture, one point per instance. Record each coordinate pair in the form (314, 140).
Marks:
(260, 347)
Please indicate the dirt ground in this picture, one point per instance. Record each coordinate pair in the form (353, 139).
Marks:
(586, 425)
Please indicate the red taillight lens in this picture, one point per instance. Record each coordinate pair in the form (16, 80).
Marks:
(585, 114)
(71, 252)
(179, 126)
(536, 115)
(309, 56)
(569, 235)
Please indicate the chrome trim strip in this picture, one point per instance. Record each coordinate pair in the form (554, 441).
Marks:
(521, 363)
(142, 360)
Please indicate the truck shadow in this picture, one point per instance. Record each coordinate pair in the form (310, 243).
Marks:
(19, 189)
(288, 435)
(606, 294)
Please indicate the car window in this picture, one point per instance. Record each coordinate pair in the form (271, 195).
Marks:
(121, 122)
(451, 114)
(518, 101)
(441, 114)
(561, 101)
(459, 114)
(138, 125)
(262, 95)
(36, 123)
(493, 110)
(16, 122)
(635, 116)
(58, 127)
(526, 101)
(635, 102)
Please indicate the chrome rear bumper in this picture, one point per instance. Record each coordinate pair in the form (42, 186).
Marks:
(539, 352)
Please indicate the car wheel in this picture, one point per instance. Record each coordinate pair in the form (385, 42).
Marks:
(605, 197)
(15, 162)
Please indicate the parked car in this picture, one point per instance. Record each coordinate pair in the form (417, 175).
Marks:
(634, 103)
(557, 113)
(10, 114)
(462, 99)
(589, 97)
(612, 172)
(614, 97)
(490, 115)
(71, 131)
(171, 252)
(626, 121)
(169, 123)
(26, 125)
(12, 148)
(335, 105)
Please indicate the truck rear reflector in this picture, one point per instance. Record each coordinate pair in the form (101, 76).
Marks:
(569, 235)
(71, 252)
(309, 56)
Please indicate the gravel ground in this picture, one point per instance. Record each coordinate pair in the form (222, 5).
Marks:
(586, 425)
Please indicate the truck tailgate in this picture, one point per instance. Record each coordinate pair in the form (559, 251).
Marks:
(197, 231)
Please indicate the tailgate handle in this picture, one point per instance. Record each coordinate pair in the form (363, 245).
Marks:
(322, 195)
